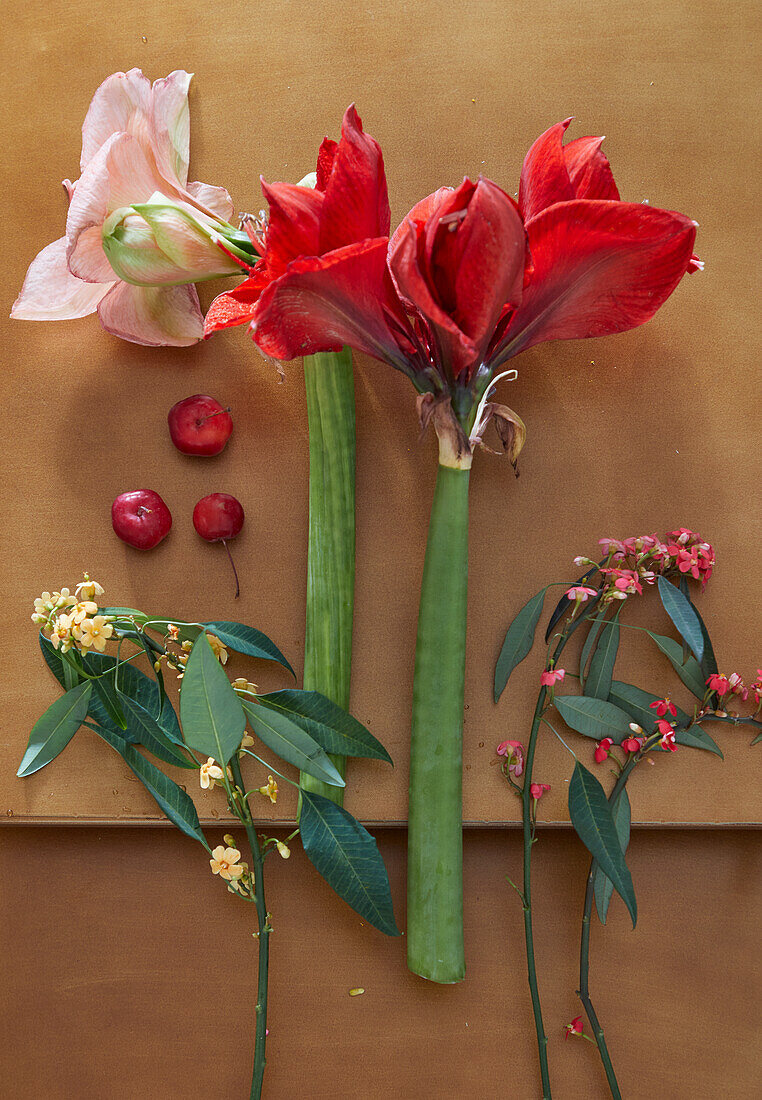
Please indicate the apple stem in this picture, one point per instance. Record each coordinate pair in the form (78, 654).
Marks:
(235, 571)
(203, 419)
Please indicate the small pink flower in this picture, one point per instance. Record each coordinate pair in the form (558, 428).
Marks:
(614, 547)
(636, 741)
(135, 142)
(756, 687)
(514, 752)
(664, 706)
(664, 727)
(576, 1027)
(551, 675)
(667, 740)
(719, 683)
(581, 592)
(537, 790)
(737, 686)
(602, 749)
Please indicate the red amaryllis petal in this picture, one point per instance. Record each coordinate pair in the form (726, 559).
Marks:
(326, 157)
(589, 169)
(356, 199)
(293, 228)
(599, 267)
(461, 266)
(235, 307)
(324, 302)
(544, 174)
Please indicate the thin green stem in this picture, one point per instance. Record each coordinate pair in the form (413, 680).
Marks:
(264, 929)
(329, 384)
(435, 830)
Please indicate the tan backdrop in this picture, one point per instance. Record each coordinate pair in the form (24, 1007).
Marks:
(643, 431)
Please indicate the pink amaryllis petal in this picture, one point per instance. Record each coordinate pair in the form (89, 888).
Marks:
(122, 103)
(170, 125)
(158, 316)
(598, 267)
(50, 291)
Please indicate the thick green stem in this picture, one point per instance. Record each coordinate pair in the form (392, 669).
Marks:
(435, 831)
(331, 552)
(264, 929)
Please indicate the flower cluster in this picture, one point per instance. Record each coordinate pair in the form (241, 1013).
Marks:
(727, 686)
(71, 620)
(176, 653)
(631, 563)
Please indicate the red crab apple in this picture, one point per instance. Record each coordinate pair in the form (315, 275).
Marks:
(141, 518)
(217, 518)
(199, 425)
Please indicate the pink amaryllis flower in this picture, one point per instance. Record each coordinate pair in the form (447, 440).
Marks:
(137, 232)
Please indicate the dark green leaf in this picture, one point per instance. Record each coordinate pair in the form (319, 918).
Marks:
(147, 731)
(690, 672)
(347, 857)
(333, 728)
(291, 742)
(211, 712)
(518, 641)
(171, 799)
(637, 703)
(593, 717)
(683, 615)
(602, 884)
(587, 648)
(593, 821)
(757, 739)
(245, 639)
(565, 603)
(708, 661)
(53, 731)
(598, 682)
(696, 738)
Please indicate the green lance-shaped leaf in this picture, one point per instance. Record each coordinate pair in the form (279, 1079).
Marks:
(603, 887)
(637, 703)
(347, 857)
(593, 717)
(291, 743)
(211, 712)
(53, 731)
(690, 672)
(683, 615)
(333, 728)
(245, 639)
(171, 799)
(593, 821)
(598, 682)
(518, 642)
(588, 647)
(147, 731)
(708, 661)
(696, 738)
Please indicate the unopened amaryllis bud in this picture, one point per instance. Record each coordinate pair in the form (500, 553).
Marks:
(164, 243)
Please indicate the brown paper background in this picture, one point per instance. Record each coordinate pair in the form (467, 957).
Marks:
(643, 431)
(134, 975)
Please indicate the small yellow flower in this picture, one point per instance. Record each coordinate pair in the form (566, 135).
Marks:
(82, 611)
(96, 632)
(187, 647)
(283, 849)
(173, 631)
(64, 598)
(209, 772)
(87, 589)
(62, 636)
(218, 649)
(242, 684)
(271, 790)
(224, 862)
(247, 742)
